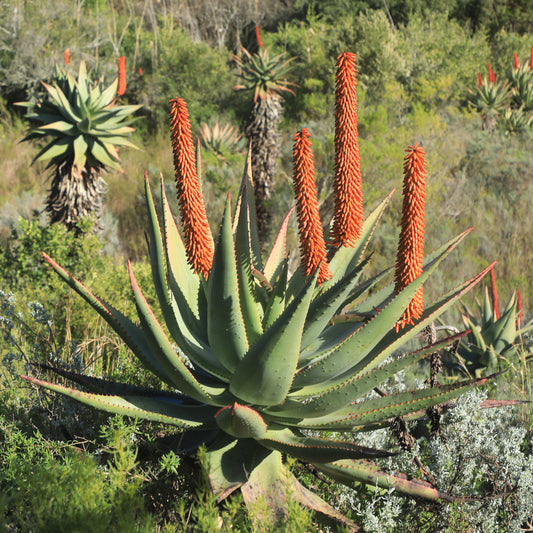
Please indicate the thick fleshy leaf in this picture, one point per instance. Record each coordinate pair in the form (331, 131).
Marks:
(241, 421)
(344, 394)
(167, 357)
(265, 374)
(179, 308)
(349, 472)
(183, 283)
(101, 154)
(80, 151)
(341, 327)
(315, 449)
(375, 411)
(328, 303)
(57, 148)
(147, 408)
(62, 103)
(393, 340)
(247, 285)
(225, 325)
(313, 501)
(131, 334)
(382, 297)
(265, 492)
(276, 299)
(278, 254)
(230, 462)
(354, 350)
(60, 126)
(246, 198)
(115, 388)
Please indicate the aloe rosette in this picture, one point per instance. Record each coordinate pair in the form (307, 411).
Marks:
(83, 127)
(262, 362)
(493, 337)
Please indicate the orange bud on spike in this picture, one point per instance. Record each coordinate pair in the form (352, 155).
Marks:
(494, 295)
(67, 56)
(312, 243)
(348, 217)
(516, 63)
(410, 255)
(531, 59)
(121, 76)
(198, 239)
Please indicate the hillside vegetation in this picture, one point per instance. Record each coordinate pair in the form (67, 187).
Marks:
(417, 68)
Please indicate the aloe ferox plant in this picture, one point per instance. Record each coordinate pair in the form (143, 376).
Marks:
(261, 362)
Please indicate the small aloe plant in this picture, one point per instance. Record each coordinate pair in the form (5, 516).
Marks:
(261, 362)
(493, 336)
(490, 98)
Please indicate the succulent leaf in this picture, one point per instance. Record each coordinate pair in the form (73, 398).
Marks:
(154, 409)
(265, 375)
(225, 324)
(312, 449)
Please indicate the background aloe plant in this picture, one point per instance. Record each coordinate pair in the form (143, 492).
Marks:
(494, 338)
(258, 361)
(83, 126)
(266, 77)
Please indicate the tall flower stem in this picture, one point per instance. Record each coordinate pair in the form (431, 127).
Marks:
(348, 218)
(121, 89)
(312, 243)
(198, 239)
(410, 255)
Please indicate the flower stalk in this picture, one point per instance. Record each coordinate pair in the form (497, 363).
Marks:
(494, 295)
(197, 233)
(121, 89)
(258, 37)
(312, 243)
(410, 257)
(348, 218)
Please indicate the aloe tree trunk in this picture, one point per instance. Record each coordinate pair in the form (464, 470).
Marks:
(73, 196)
(263, 132)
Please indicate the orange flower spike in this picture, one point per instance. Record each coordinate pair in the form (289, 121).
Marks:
(312, 243)
(198, 239)
(348, 218)
(67, 56)
(121, 76)
(410, 256)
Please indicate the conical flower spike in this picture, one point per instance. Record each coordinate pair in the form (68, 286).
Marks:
(121, 76)
(67, 56)
(312, 243)
(348, 218)
(411, 245)
(198, 239)
(516, 63)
